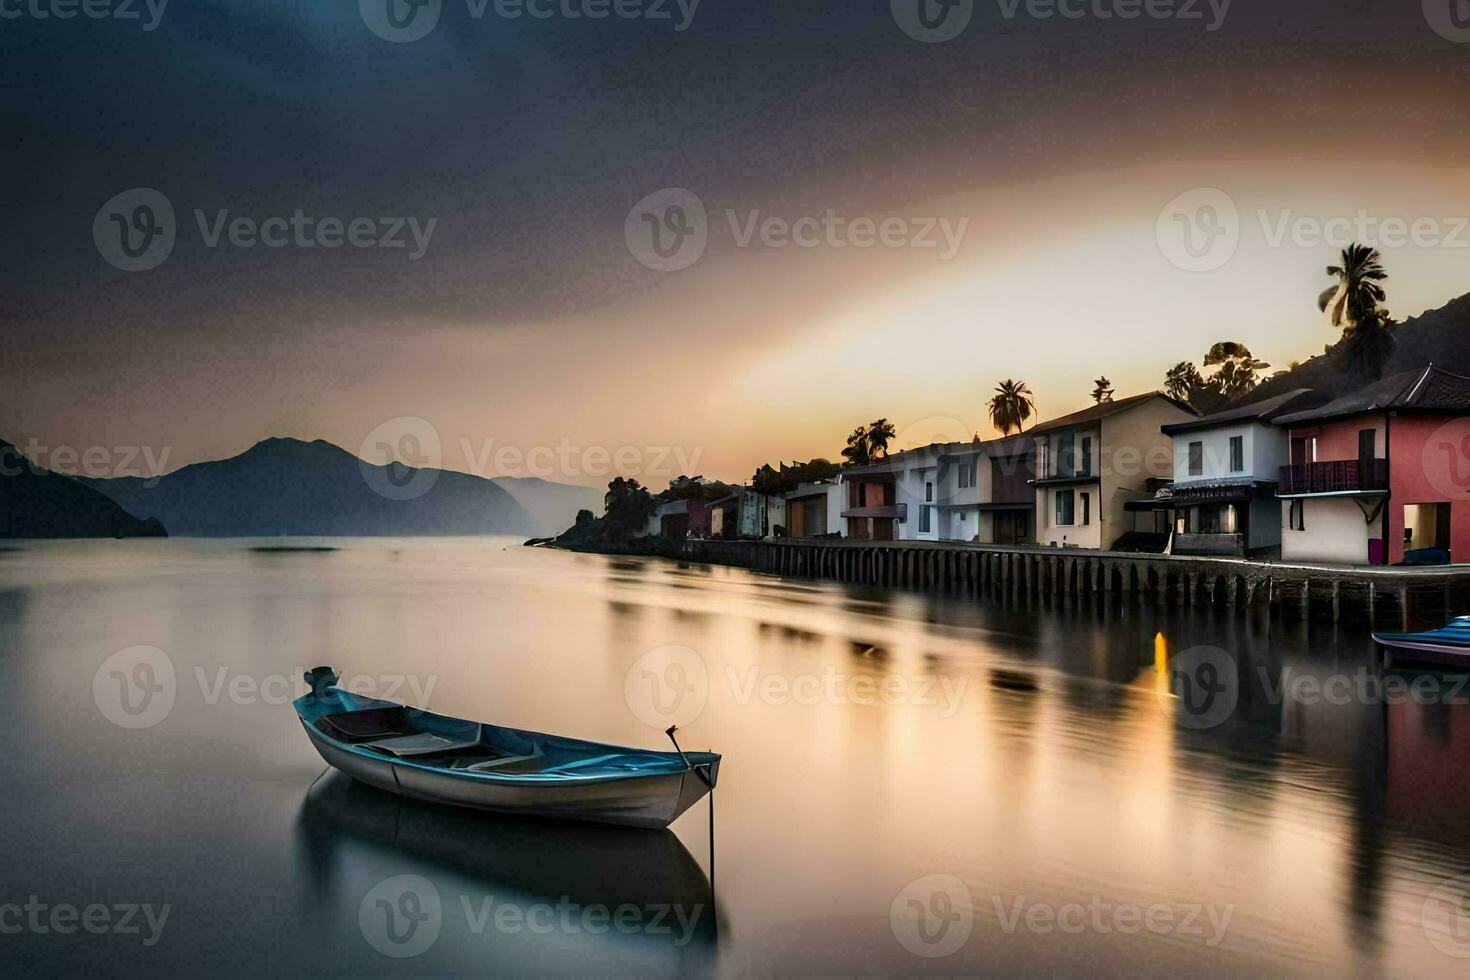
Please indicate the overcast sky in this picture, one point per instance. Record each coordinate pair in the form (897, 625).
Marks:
(871, 220)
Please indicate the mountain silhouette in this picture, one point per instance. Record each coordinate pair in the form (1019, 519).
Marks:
(291, 488)
(36, 503)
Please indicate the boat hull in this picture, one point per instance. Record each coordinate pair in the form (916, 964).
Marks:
(652, 802)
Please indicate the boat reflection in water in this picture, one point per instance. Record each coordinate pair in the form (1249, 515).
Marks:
(452, 890)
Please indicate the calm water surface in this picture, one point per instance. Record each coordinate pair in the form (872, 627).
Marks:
(1006, 785)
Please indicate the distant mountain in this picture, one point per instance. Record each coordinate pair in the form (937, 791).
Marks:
(286, 487)
(553, 506)
(1441, 337)
(36, 503)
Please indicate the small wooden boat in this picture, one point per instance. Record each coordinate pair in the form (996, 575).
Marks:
(433, 757)
(1448, 646)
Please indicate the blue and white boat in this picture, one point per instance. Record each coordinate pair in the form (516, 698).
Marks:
(1448, 646)
(434, 757)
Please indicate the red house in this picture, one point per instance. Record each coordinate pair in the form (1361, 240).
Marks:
(1380, 473)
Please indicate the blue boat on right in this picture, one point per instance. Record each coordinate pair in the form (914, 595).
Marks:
(1448, 646)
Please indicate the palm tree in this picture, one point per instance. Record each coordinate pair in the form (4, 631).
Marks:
(880, 433)
(1102, 390)
(1357, 294)
(1011, 406)
(1353, 307)
(857, 452)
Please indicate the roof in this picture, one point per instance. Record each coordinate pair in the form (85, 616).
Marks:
(1428, 389)
(1261, 411)
(818, 489)
(1103, 410)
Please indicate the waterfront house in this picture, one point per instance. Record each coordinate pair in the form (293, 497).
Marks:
(897, 498)
(680, 519)
(984, 491)
(744, 513)
(1091, 463)
(1226, 466)
(1380, 472)
(814, 510)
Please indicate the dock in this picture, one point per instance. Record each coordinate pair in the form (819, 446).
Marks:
(1398, 597)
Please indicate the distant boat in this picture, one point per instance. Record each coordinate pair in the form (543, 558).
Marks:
(433, 757)
(1447, 646)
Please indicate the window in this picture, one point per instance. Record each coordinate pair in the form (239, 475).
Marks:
(1084, 465)
(1196, 458)
(926, 519)
(1044, 470)
(903, 513)
(1066, 455)
(964, 475)
(1237, 454)
(1297, 518)
(1065, 504)
(929, 491)
(1086, 509)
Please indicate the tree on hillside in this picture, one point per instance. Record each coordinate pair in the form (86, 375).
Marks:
(880, 433)
(1236, 369)
(628, 504)
(857, 451)
(1182, 381)
(1010, 406)
(1102, 390)
(770, 480)
(1369, 333)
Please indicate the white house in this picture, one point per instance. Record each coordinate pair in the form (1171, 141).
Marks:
(1091, 463)
(1226, 465)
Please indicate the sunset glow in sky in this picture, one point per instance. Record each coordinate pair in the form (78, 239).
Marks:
(1055, 144)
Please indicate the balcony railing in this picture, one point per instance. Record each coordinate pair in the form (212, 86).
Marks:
(1338, 476)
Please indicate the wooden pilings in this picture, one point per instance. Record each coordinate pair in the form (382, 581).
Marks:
(1382, 596)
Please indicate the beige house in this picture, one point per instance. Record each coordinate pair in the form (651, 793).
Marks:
(1091, 463)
